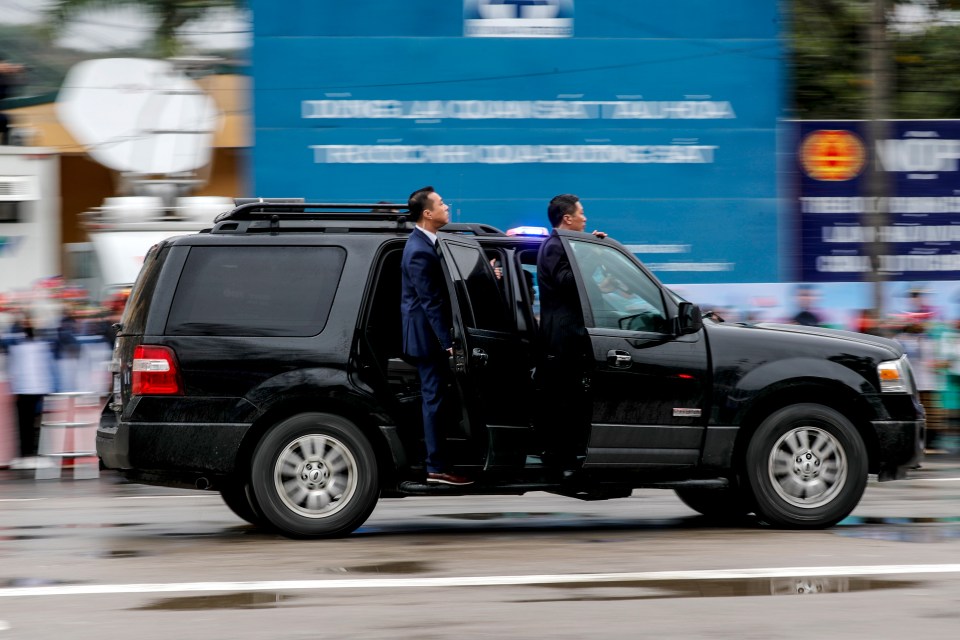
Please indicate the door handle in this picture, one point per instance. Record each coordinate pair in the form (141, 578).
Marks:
(619, 359)
(480, 356)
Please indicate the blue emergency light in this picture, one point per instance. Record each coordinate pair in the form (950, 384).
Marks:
(528, 231)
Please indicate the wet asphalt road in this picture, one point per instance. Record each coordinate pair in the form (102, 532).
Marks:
(459, 567)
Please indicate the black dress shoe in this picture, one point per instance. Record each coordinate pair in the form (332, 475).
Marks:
(448, 478)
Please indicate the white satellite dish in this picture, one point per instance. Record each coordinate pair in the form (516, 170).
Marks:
(138, 116)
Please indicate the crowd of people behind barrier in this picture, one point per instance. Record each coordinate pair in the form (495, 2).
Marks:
(50, 342)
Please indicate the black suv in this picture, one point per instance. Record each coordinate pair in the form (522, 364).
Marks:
(262, 358)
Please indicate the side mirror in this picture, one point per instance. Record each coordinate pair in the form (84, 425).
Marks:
(689, 318)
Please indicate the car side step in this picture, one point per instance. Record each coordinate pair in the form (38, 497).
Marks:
(416, 488)
(706, 483)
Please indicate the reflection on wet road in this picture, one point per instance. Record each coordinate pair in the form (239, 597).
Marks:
(607, 592)
(915, 529)
(255, 600)
(653, 590)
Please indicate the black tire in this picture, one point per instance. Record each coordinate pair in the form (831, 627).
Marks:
(806, 466)
(314, 475)
(731, 503)
(238, 496)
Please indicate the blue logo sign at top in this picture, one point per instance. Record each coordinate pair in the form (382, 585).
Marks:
(518, 18)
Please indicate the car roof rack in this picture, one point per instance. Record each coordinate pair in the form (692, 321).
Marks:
(474, 228)
(251, 215)
(297, 209)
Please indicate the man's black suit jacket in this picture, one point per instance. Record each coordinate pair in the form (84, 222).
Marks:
(562, 332)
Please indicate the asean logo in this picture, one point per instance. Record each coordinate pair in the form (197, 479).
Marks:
(832, 155)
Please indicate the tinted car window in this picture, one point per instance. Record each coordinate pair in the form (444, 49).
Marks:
(135, 312)
(481, 286)
(256, 291)
(621, 296)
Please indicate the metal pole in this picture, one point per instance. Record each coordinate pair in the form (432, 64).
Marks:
(875, 214)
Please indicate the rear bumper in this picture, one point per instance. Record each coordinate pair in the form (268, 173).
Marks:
(175, 449)
(901, 444)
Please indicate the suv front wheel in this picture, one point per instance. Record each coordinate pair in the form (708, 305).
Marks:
(236, 496)
(731, 503)
(315, 475)
(806, 466)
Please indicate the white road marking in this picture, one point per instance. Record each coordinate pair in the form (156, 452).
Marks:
(481, 581)
(4, 625)
(20, 499)
(936, 479)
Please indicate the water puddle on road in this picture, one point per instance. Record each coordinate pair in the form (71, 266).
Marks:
(251, 600)
(6, 538)
(56, 530)
(119, 553)
(17, 583)
(732, 588)
(236, 533)
(918, 529)
(400, 567)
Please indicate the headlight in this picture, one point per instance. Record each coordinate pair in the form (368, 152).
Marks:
(896, 376)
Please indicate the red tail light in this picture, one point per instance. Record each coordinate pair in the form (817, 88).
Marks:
(155, 372)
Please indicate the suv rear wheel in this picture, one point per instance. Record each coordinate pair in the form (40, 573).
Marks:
(806, 466)
(315, 475)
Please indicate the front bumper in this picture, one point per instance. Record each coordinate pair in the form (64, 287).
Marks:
(900, 446)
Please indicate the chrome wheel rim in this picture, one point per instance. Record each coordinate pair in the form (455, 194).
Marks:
(807, 467)
(315, 476)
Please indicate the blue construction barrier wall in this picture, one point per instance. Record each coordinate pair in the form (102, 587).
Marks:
(661, 116)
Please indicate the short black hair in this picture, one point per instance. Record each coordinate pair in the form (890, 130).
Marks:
(560, 206)
(418, 201)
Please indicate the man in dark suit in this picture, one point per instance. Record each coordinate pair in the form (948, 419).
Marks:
(564, 354)
(427, 323)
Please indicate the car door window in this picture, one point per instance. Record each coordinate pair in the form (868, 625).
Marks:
(528, 271)
(620, 295)
(475, 277)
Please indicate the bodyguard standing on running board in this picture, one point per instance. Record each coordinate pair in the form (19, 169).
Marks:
(427, 323)
(564, 354)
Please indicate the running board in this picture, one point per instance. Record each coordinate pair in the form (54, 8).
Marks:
(414, 488)
(584, 490)
(709, 483)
